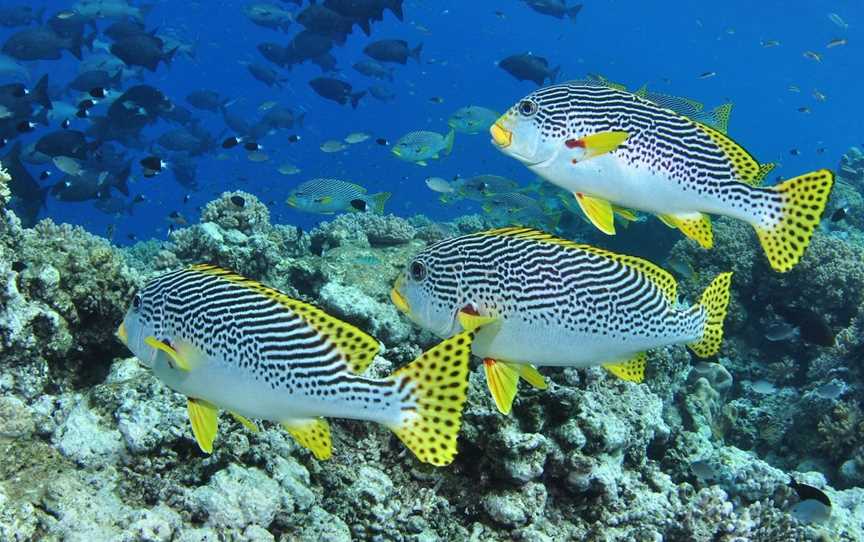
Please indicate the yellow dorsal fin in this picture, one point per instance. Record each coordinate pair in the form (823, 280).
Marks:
(502, 381)
(696, 227)
(530, 374)
(470, 322)
(204, 418)
(631, 370)
(599, 212)
(642, 92)
(245, 422)
(764, 170)
(747, 169)
(657, 275)
(178, 361)
(720, 117)
(358, 348)
(314, 435)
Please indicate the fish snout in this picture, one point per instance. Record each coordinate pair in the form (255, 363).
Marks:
(501, 136)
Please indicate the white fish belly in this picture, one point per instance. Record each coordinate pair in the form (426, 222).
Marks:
(239, 392)
(607, 177)
(557, 346)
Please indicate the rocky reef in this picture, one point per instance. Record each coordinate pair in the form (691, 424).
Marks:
(96, 448)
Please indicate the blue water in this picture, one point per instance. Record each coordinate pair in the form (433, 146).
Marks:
(666, 46)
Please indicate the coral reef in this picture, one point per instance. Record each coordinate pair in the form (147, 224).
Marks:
(5, 191)
(96, 448)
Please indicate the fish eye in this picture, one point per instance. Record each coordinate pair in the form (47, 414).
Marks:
(136, 301)
(418, 271)
(527, 107)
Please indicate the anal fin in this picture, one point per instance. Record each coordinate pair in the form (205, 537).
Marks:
(696, 226)
(204, 418)
(312, 434)
(631, 370)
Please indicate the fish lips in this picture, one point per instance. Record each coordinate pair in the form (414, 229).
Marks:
(398, 299)
(501, 137)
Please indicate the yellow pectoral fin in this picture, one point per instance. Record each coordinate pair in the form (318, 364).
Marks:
(502, 380)
(245, 422)
(421, 163)
(696, 226)
(597, 144)
(598, 211)
(203, 417)
(631, 370)
(470, 322)
(530, 374)
(176, 358)
(313, 434)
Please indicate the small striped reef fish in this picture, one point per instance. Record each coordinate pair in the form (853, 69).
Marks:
(229, 343)
(539, 300)
(610, 147)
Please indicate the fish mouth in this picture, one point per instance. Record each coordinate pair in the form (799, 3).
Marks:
(501, 137)
(122, 334)
(399, 300)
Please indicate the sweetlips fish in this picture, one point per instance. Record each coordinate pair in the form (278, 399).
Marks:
(538, 300)
(422, 145)
(230, 343)
(612, 147)
(329, 196)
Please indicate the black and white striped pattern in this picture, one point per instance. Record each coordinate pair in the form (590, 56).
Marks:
(660, 140)
(551, 284)
(244, 328)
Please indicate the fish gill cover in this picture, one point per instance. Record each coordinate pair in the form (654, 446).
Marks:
(643, 228)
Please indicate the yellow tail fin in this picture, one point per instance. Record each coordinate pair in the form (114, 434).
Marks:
(715, 301)
(438, 384)
(787, 226)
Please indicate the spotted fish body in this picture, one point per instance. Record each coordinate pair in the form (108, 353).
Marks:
(663, 163)
(231, 343)
(551, 302)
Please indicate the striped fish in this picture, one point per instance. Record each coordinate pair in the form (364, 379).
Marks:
(536, 299)
(230, 343)
(329, 196)
(612, 147)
